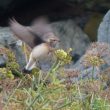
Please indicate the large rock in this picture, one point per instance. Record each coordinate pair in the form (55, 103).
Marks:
(2, 61)
(6, 36)
(104, 29)
(103, 37)
(71, 36)
(7, 40)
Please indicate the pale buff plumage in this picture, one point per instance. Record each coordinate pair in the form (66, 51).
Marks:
(39, 37)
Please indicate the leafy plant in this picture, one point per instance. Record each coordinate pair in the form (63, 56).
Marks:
(33, 92)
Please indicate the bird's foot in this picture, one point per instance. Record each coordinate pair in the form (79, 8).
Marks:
(25, 71)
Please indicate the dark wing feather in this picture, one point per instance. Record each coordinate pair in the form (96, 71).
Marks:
(41, 27)
(25, 34)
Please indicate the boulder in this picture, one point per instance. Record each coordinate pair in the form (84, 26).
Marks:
(103, 37)
(7, 40)
(71, 36)
(104, 29)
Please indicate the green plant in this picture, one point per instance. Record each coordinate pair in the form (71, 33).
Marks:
(31, 92)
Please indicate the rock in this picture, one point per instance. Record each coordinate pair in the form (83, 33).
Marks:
(104, 36)
(6, 36)
(7, 40)
(86, 73)
(2, 61)
(91, 57)
(106, 77)
(104, 29)
(71, 36)
(18, 54)
(78, 65)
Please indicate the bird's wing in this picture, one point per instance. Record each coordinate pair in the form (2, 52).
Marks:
(41, 27)
(25, 34)
(40, 20)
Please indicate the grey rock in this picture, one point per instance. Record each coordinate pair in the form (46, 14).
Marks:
(89, 73)
(18, 54)
(71, 36)
(78, 65)
(2, 61)
(86, 72)
(7, 40)
(103, 36)
(6, 37)
(104, 29)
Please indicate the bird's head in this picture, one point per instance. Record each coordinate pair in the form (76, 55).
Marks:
(52, 39)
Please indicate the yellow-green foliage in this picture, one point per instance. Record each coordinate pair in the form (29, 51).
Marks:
(6, 73)
(63, 55)
(32, 92)
(11, 64)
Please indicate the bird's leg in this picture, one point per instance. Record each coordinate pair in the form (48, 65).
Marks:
(39, 66)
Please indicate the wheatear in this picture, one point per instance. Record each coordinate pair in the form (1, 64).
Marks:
(39, 37)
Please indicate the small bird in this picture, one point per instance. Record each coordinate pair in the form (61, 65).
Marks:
(39, 37)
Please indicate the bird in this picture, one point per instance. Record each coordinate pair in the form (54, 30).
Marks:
(39, 37)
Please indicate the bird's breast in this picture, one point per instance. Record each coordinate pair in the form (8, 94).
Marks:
(40, 51)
